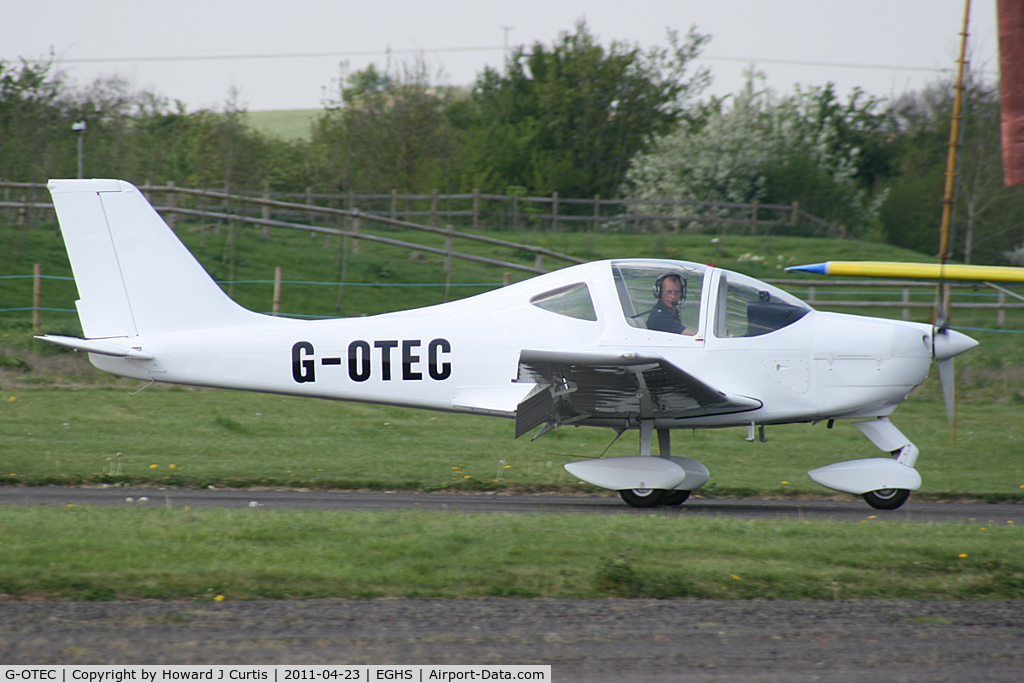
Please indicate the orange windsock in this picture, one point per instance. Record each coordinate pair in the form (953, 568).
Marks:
(1011, 88)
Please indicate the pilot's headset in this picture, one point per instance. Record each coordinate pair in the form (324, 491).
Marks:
(657, 285)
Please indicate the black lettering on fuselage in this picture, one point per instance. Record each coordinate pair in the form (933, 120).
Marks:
(385, 356)
(359, 361)
(303, 369)
(438, 370)
(363, 364)
(408, 359)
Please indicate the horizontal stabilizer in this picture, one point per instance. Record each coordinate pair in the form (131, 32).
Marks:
(108, 347)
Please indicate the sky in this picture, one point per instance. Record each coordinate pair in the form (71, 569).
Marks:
(288, 54)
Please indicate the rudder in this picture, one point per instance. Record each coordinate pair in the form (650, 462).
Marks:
(134, 275)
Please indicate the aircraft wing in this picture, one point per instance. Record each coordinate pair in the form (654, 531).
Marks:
(597, 387)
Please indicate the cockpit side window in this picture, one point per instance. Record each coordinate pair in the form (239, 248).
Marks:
(640, 287)
(751, 308)
(572, 300)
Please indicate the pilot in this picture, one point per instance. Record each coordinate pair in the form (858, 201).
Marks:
(670, 290)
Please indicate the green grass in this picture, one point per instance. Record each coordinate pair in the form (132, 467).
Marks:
(84, 434)
(99, 554)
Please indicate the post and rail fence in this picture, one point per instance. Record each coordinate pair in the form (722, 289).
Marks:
(31, 205)
(26, 202)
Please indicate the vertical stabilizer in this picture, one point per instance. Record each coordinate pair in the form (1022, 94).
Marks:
(134, 275)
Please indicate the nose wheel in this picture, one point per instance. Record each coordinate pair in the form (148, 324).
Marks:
(642, 498)
(886, 499)
(648, 498)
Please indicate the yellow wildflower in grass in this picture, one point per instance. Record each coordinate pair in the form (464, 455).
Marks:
(467, 477)
(962, 556)
(153, 467)
(173, 467)
(735, 578)
(220, 598)
(12, 399)
(786, 483)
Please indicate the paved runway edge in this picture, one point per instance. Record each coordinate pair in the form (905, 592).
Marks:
(175, 498)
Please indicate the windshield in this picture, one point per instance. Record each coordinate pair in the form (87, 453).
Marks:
(663, 296)
(749, 308)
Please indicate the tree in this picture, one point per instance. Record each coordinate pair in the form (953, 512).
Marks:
(387, 130)
(758, 145)
(987, 216)
(570, 117)
(33, 122)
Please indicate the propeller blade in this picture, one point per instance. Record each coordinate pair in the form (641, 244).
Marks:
(948, 382)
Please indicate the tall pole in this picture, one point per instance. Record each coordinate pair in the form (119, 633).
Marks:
(79, 126)
(954, 143)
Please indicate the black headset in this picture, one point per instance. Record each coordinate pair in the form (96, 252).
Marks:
(657, 285)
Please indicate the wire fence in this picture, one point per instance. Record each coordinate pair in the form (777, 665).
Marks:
(887, 298)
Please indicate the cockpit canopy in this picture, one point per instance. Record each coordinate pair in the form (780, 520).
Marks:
(741, 306)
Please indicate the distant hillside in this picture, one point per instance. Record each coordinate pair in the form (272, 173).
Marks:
(286, 124)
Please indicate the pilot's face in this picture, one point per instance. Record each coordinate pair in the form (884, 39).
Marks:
(671, 292)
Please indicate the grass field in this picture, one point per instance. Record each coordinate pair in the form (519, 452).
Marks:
(197, 437)
(63, 422)
(286, 124)
(101, 554)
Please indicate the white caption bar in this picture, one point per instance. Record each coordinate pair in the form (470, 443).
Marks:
(273, 674)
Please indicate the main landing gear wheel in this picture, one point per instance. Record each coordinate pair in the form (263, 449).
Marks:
(673, 498)
(643, 498)
(886, 499)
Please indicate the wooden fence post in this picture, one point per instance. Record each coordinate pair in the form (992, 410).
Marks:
(265, 209)
(554, 212)
(753, 218)
(394, 204)
(794, 215)
(278, 273)
(476, 211)
(449, 244)
(433, 209)
(515, 212)
(37, 295)
(172, 202)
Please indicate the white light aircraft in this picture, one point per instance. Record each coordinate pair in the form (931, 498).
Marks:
(571, 347)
